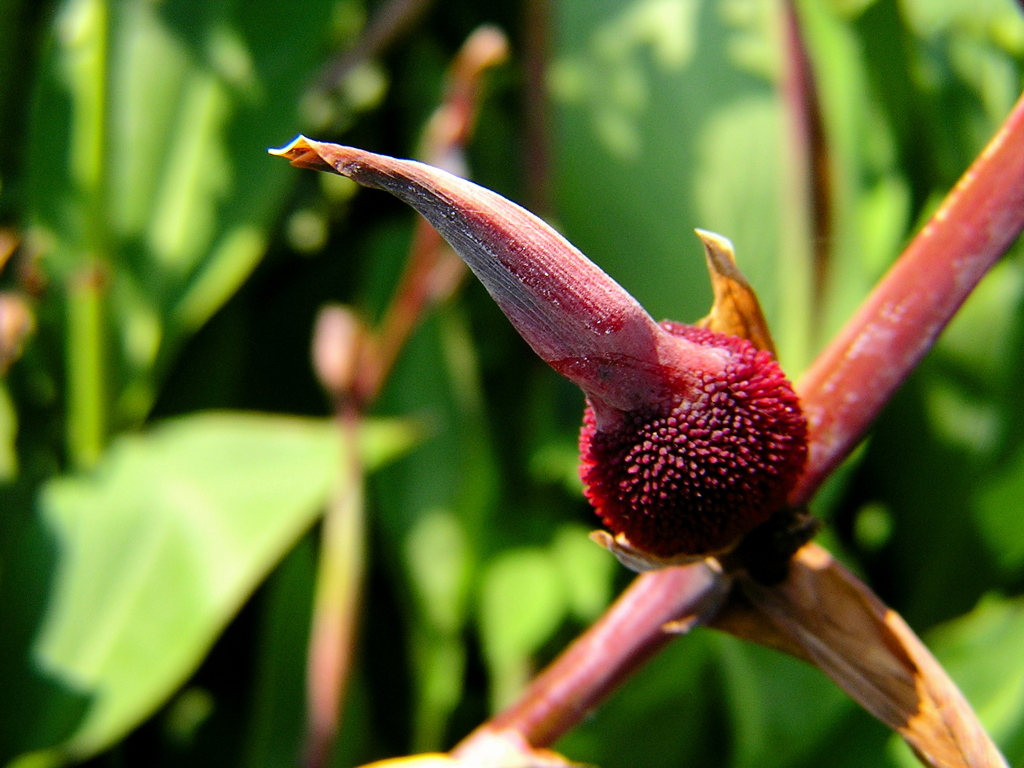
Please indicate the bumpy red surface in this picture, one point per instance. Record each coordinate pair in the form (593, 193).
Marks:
(690, 476)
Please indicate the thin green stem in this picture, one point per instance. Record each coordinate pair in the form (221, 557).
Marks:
(86, 379)
(84, 28)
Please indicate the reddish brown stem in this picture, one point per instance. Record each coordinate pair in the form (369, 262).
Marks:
(451, 126)
(433, 271)
(628, 634)
(391, 20)
(808, 135)
(850, 382)
(336, 603)
(536, 56)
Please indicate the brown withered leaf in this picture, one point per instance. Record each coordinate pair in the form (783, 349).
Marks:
(637, 560)
(823, 614)
(736, 310)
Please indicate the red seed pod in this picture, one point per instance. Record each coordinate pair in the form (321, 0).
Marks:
(706, 463)
(692, 436)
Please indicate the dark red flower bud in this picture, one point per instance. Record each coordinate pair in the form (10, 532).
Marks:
(705, 462)
(692, 437)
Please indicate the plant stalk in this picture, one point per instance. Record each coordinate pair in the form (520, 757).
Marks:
(86, 398)
(84, 31)
(628, 634)
(339, 583)
(855, 376)
(806, 236)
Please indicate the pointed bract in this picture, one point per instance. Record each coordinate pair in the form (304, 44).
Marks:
(736, 310)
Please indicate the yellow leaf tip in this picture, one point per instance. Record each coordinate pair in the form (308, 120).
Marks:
(719, 248)
(299, 143)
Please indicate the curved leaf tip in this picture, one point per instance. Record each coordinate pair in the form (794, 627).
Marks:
(302, 153)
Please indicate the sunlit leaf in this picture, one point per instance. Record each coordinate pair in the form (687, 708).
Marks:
(780, 707)
(161, 545)
(668, 120)
(521, 605)
(586, 572)
(436, 552)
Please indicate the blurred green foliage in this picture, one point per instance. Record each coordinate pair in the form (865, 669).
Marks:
(157, 574)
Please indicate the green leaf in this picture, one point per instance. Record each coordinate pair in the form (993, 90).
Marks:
(981, 652)
(658, 720)
(781, 708)
(521, 605)
(668, 119)
(437, 558)
(999, 515)
(586, 571)
(869, 205)
(982, 337)
(434, 508)
(147, 158)
(162, 544)
(278, 701)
